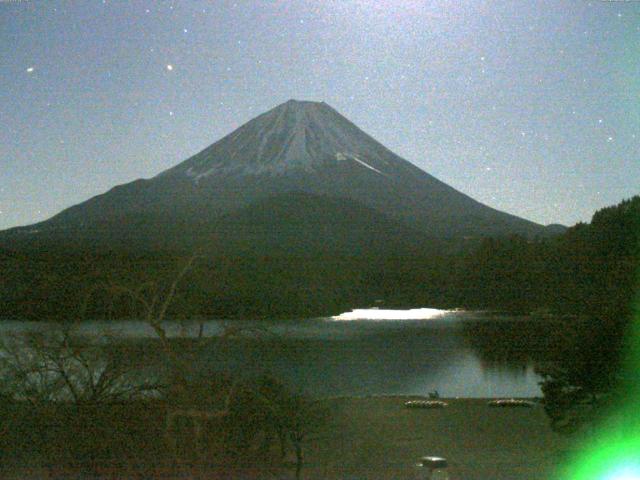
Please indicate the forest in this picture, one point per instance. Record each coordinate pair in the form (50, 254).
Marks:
(589, 270)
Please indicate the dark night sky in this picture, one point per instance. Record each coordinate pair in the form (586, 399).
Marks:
(530, 107)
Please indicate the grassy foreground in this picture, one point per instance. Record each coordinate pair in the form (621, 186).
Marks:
(377, 438)
(364, 438)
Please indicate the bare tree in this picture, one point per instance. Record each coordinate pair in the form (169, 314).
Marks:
(303, 418)
(59, 364)
(187, 395)
(266, 407)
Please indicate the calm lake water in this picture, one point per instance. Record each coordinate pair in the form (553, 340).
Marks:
(459, 354)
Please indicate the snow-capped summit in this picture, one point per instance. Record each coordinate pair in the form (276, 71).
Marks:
(297, 148)
(294, 136)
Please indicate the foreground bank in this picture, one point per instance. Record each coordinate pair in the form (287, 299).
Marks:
(364, 438)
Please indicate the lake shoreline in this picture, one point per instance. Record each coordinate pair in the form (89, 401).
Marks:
(458, 354)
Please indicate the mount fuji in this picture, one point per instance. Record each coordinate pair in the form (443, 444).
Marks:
(298, 174)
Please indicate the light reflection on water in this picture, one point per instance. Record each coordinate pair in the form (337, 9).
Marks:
(441, 351)
(379, 314)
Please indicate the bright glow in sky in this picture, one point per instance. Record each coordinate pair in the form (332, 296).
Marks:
(529, 107)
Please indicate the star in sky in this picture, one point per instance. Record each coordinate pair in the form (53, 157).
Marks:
(485, 91)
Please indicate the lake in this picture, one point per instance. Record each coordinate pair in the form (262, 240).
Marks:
(367, 352)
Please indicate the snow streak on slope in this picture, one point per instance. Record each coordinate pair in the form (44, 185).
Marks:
(295, 136)
(345, 156)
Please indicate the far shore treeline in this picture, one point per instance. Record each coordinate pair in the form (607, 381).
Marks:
(589, 270)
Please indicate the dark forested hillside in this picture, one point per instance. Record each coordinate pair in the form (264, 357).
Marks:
(588, 271)
(46, 285)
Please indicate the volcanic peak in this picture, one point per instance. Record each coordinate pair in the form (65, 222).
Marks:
(296, 136)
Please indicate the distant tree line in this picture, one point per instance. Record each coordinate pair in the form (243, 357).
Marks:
(587, 271)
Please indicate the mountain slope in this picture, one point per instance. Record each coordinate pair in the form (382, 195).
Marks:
(302, 147)
(292, 224)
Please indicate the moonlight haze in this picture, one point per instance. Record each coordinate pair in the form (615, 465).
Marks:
(530, 108)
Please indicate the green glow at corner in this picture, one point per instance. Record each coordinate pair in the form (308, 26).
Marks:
(614, 452)
(624, 473)
(609, 461)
